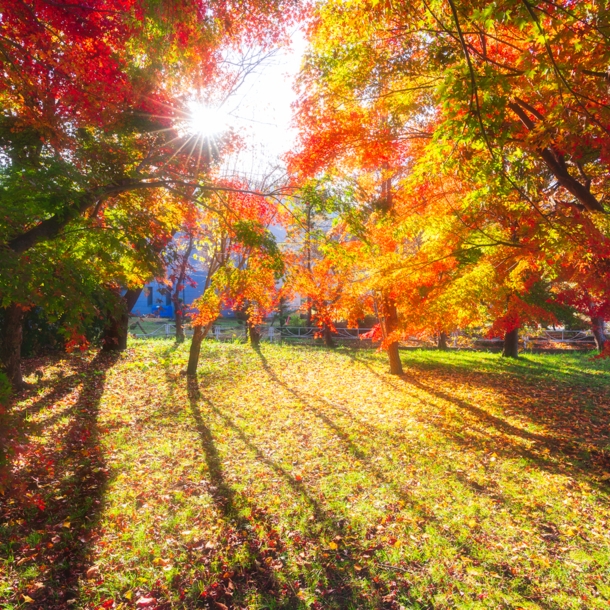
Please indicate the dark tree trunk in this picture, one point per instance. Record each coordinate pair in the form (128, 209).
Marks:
(511, 344)
(199, 334)
(394, 357)
(11, 338)
(115, 336)
(597, 326)
(328, 336)
(179, 322)
(390, 322)
(179, 307)
(254, 334)
(442, 341)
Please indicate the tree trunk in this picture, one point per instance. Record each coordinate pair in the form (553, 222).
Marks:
(180, 306)
(394, 357)
(115, 336)
(442, 341)
(179, 322)
(390, 323)
(199, 334)
(597, 326)
(11, 338)
(328, 336)
(254, 334)
(511, 344)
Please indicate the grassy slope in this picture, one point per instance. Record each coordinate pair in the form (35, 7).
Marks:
(298, 477)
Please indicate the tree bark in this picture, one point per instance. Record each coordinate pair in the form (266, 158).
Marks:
(11, 338)
(115, 336)
(555, 161)
(511, 344)
(328, 337)
(442, 341)
(179, 325)
(178, 305)
(254, 334)
(51, 227)
(199, 334)
(390, 324)
(598, 328)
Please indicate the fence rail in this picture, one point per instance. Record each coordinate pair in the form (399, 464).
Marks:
(276, 333)
(270, 333)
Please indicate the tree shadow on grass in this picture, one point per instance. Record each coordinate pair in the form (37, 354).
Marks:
(262, 572)
(48, 518)
(546, 451)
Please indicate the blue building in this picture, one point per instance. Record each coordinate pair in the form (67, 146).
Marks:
(156, 299)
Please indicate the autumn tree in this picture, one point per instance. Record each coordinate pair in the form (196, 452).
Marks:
(498, 99)
(74, 146)
(242, 262)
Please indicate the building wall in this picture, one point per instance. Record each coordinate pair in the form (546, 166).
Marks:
(152, 300)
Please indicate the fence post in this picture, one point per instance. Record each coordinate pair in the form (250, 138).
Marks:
(271, 334)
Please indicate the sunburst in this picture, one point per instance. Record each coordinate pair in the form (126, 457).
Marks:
(204, 120)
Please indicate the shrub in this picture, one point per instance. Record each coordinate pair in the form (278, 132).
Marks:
(5, 389)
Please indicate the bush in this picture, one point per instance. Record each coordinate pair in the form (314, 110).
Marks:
(295, 321)
(5, 389)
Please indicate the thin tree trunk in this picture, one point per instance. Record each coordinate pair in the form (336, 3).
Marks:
(11, 338)
(442, 341)
(178, 307)
(597, 327)
(511, 344)
(199, 334)
(179, 325)
(390, 323)
(328, 336)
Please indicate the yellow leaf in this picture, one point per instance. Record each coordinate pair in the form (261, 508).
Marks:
(333, 546)
(27, 599)
(66, 524)
(128, 595)
(472, 523)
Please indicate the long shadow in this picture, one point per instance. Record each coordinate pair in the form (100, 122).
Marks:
(258, 574)
(363, 458)
(49, 520)
(417, 506)
(340, 592)
(553, 443)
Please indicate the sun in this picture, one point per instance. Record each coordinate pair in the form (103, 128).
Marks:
(204, 120)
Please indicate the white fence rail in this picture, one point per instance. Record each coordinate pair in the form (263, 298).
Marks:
(275, 333)
(270, 333)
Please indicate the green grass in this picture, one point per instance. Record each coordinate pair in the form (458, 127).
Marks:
(297, 477)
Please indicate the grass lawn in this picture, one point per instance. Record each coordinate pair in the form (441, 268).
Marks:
(297, 477)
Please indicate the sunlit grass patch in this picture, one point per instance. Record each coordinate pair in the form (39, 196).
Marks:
(299, 477)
